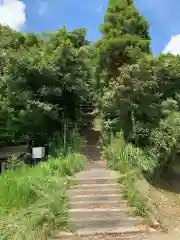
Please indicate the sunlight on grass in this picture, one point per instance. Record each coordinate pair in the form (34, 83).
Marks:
(33, 199)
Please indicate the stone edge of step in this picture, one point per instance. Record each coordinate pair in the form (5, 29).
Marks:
(76, 210)
(98, 185)
(93, 191)
(121, 232)
(106, 202)
(99, 195)
(108, 218)
(96, 178)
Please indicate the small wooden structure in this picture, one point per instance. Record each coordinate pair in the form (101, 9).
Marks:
(7, 152)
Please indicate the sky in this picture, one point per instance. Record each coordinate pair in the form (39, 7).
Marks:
(40, 15)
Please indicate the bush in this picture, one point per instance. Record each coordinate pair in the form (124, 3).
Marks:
(122, 156)
(165, 142)
(130, 161)
(66, 143)
(33, 200)
(35, 221)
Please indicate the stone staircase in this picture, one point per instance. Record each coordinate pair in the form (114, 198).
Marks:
(98, 210)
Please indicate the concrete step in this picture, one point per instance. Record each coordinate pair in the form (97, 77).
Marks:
(96, 186)
(97, 173)
(100, 180)
(113, 236)
(99, 191)
(97, 204)
(98, 212)
(100, 197)
(105, 222)
(125, 231)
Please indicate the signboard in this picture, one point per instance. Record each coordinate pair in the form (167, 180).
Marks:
(38, 152)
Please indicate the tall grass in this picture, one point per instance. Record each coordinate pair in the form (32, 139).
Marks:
(33, 200)
(130, 162)
(65, 143)
(124, 156)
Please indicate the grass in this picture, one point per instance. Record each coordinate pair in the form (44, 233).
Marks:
(129, 161)
(134, 197)
(33, 200)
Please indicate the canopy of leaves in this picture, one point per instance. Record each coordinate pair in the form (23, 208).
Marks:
(125, 37)
(44, 80)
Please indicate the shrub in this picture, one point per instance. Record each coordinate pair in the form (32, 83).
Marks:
(49, 211)
(122, 156)
(18, 188)
(165, 142)
(130, 161)
(33, 200)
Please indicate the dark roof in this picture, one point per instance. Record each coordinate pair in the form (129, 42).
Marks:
(6, 152)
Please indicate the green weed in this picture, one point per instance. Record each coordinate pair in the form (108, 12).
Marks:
(33, 200)
(129, 161)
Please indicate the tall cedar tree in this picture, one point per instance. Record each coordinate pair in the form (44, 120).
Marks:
(125, 37)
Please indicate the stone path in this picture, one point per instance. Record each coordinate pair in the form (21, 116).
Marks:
(97, 208)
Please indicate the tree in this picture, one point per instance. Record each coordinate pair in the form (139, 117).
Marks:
(140, 90)
(125, 37)
(43, 82)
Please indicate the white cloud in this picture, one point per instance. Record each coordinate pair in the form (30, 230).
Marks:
(12, 13)
(173, 45)
(43, 8)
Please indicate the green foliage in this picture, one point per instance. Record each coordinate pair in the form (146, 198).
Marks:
(36, 221)
(165, 142)
(136, 200)
(122, 156)
(130, 162)
(14, 163)
(67, 142)
(43, 82)
(17, 188)
(125, 38)
(134, 101)
(33, 200)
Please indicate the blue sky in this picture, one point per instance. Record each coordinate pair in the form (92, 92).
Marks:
(40, 15)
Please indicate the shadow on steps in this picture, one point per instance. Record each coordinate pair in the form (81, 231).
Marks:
(91, 147)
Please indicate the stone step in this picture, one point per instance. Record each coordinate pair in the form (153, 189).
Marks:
(98, 204)
(125, 231)
(100, 197)
(105, 222)
(93, 191)
(97, 173)
(97, 186)
(101, 180)
(113, 236)
(98, 212)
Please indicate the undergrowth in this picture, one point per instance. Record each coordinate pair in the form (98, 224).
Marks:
(129, 161)
(33, 200)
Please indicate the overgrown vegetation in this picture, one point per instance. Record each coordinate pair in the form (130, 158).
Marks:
(33, 200)
(45, 79)
(138, 92)
(127, 160)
